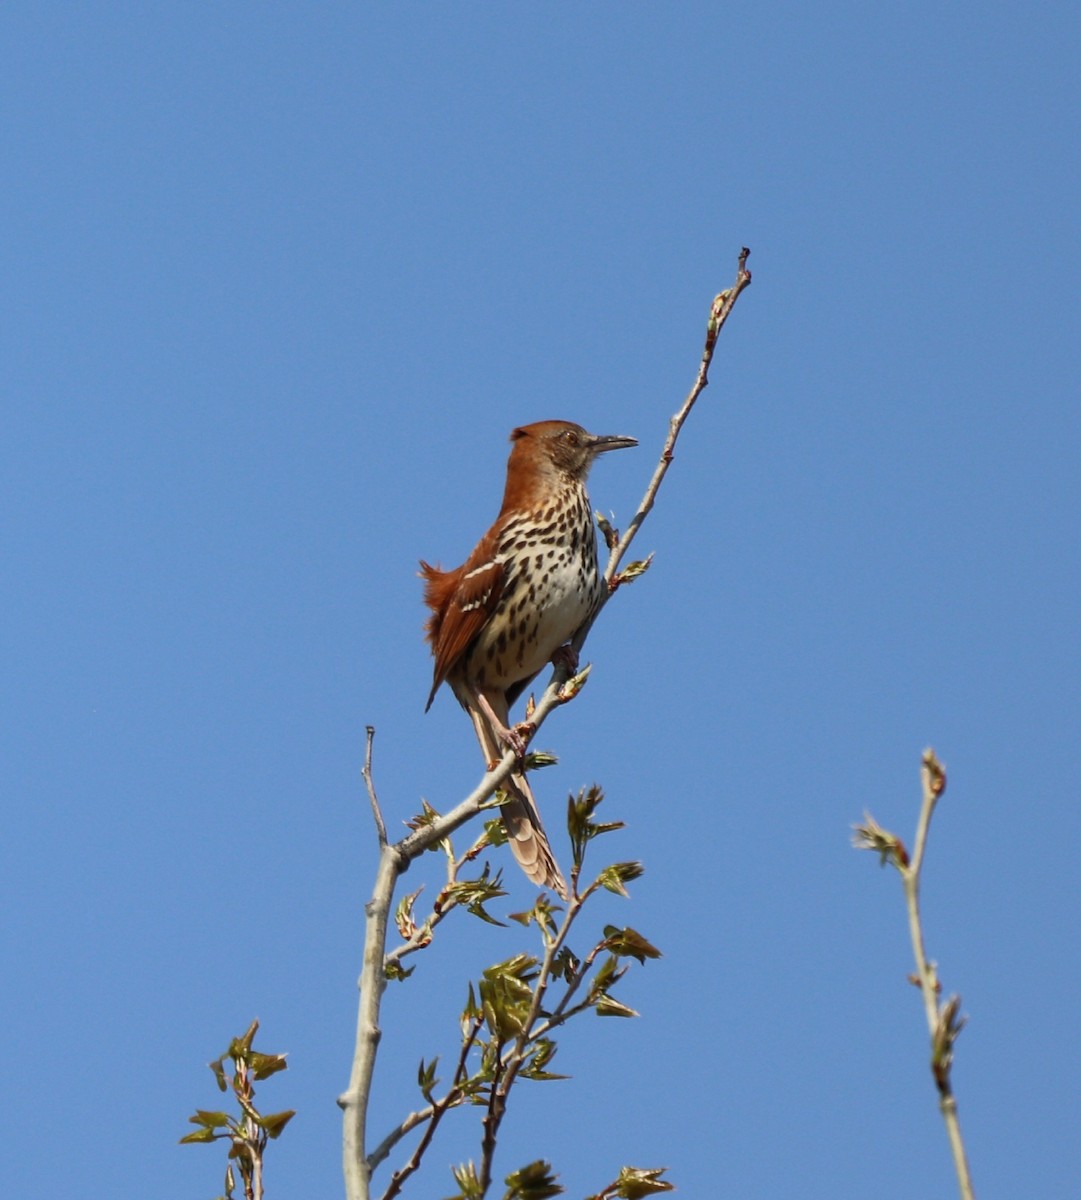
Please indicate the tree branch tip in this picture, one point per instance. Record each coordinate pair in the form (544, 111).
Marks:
(935, 772)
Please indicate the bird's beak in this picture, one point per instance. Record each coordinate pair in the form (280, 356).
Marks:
(599, 444)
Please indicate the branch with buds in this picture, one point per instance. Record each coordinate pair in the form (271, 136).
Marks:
(249, 1133)
(430, 829)
(944, 1022)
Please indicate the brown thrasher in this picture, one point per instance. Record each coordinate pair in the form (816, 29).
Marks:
(529, 585)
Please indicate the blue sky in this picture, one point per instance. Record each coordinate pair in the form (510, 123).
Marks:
(279, 280)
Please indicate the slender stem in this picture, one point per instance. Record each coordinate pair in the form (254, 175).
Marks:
(939, 1017)
(382, 1151)
(366, 772)
(508, 1065)
(452, 1098)
(719, 312)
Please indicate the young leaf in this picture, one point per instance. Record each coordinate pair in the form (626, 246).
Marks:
(580, 824)
(506, 994)
(426, 1078)
(465, 1176)
(219, 1075)
(614, 877)
(210, 1119)
(403, 914)
(274, 1123)
(608, 1006)
(202, 1135)
(635, 1183)
(633, 570)
(532, 1182)
(629, 943)
(543, 1052)
(265, 1065)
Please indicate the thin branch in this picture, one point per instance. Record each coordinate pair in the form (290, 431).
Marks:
(490, 1124)
(910, 877)
(943, 1021)
(366, 772)
(508, 1066)
(452, 1098)
(719, 312)
(382, 1151)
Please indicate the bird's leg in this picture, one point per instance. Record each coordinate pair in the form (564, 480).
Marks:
(514, 739)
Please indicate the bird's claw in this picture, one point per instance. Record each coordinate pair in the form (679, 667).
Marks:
(517, 737)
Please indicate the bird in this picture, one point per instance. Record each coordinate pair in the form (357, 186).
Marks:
(529, 585)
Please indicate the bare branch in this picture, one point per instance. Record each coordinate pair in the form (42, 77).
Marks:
(366, 772)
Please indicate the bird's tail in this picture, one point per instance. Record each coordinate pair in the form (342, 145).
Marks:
(528, 842)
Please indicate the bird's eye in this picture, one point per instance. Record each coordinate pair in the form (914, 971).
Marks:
(570, 437)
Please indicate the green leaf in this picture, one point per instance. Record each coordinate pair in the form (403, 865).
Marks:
(274, 1123)
(427, 817)
(565, 964)
(471, 1012)
(542, 913)
(241, 1046)
(496, 834)
(219, 1075)
(506, 995)
(606, 978)
(210, 1119)
(605, 526)
(395, 970)
(202, 1135)
(633, 570)
(636, 1182)
(265, 1065)
(465, 1176)
(609, 974)
(532, 1182)
(473, 894)
(614, 877)
(608, 1006)
(580, 824)
(535, 760)
(426, 1078)
(629, 943)
(534, 1067)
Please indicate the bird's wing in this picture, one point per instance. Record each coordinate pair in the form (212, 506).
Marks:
(461, 601)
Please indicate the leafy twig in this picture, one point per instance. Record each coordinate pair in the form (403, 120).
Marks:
(249, 1133)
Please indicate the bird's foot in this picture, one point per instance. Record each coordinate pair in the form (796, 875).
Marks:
(517, 737)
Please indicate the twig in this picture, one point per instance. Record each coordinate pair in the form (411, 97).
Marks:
(452, 1098)
(366, 772)
(719, 311)
(507, 1067)
(943, 1021)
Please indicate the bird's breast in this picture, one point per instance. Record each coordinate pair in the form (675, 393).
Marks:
(550, 586)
